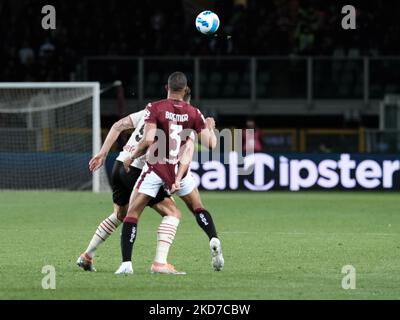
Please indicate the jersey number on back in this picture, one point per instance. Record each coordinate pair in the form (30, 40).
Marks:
(175, 131)
(139, 135)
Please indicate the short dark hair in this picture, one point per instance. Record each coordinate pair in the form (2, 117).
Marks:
(177, 81)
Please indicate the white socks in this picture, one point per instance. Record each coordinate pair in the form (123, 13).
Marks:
(165, 237)
(104, 230)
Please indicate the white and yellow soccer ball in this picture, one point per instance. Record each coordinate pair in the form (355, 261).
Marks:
(207, 22)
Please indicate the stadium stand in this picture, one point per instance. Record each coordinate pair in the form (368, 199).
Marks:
(135, 28)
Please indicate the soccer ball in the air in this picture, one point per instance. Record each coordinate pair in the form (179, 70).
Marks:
(207, 22)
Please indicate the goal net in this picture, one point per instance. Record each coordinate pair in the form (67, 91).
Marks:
(48, 133)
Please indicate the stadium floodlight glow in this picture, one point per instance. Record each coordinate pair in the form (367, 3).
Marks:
(49, 131)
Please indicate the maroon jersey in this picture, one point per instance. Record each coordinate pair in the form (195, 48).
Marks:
(176, 119)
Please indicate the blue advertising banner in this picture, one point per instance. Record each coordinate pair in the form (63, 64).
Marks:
(254, 172)
(295, 172)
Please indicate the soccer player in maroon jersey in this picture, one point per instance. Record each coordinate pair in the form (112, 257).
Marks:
(123, 184)
(186, 189)
(173, 117)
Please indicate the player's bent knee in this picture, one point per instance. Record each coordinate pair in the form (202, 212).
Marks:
(160, 209)
(132, 215)
(121, 215)
(120, 211)
(134, 212)
(172, 213)
(167, 207)
(193, 206)
(193, 201)
(177, 214)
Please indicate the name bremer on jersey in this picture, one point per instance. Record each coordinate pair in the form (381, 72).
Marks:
(176, 117)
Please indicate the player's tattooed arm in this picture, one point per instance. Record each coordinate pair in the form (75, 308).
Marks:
(98, 160)
(123, 124)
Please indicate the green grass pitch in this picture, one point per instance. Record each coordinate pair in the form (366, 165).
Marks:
(276, 246)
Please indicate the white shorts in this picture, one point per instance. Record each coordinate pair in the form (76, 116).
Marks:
(188, 184)
(150, 183)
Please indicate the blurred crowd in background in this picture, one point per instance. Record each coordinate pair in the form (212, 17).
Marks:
(252, 27)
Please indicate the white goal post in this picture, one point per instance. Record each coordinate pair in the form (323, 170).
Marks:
(55, 127)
